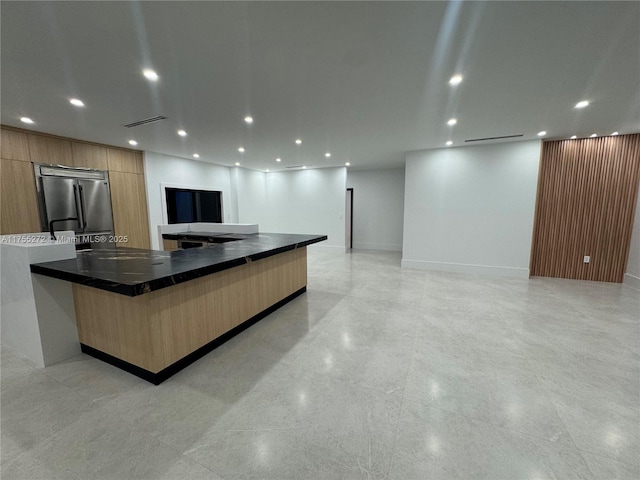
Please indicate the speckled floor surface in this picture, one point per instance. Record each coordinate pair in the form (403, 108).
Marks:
(376, 372)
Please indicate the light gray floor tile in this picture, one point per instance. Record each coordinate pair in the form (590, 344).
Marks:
(432, 443)
(376, 371)
(604, 468)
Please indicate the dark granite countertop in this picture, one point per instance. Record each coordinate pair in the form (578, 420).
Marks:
(206, 236)
(135, 271)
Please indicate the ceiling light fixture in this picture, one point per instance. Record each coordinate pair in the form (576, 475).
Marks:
(132, 142)
(150, 74)
(241, 149)
(593, 135)
(304, 166)
(614, 134)
(237, 164)
(267, 170)
(348, 164)
(582, 104)
(449, 142)
(455, 80)
(542, 133)
(452, 121)
(195, 155)
(76, 102)
(278, 159)
(26, 120)
(327, 154)
(182, 133)
(298, 141)
(573, 137)
(248, 120)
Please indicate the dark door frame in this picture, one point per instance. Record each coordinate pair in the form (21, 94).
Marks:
(350, 193)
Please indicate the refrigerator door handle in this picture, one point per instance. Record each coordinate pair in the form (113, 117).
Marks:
(82, 203)
(78, 211)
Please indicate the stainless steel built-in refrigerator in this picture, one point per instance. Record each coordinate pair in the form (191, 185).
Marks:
(79, 193)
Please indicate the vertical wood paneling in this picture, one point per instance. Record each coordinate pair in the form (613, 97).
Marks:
(585, 205)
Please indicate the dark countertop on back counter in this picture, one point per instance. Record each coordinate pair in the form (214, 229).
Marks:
(135, 271)
(205, 236)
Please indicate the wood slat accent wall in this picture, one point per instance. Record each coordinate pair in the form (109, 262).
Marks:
(587, 192)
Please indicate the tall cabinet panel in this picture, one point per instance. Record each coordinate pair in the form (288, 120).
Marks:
(129, 202)
(19, 206)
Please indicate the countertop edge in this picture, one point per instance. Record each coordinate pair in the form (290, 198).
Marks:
(133, 290)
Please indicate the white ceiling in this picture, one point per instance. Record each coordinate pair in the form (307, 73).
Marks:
(364, 81)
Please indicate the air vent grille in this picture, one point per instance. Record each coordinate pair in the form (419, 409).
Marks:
(493, 138)
(145, 121)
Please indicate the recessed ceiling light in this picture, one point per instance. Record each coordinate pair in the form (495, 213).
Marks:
(455, 80)
(452, 121)
(237, 164)
(248, 120)
(182, 133)
(304, 166)
(348, 164)
(241, 149)
(449, 142)
(132, 142)
(278, 159)
(150, 74)
(582, 104)
(298, 141)
(593, 135)
(542, 133)
(573, 137)
(195, 155)
(614, 134)
(327, 154)
(267, 170)
(26, 120)
(76, 102)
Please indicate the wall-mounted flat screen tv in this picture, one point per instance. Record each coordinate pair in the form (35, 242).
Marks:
(189, 206)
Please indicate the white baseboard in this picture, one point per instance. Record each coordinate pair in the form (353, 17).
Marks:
(378, 246)
(467, 268)
(631, 281)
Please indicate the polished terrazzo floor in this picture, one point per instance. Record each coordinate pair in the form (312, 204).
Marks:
(376, 372)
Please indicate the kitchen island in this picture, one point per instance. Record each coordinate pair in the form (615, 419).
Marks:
(152, 313)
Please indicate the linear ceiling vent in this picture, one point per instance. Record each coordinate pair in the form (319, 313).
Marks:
(493, 138)
(145, 121)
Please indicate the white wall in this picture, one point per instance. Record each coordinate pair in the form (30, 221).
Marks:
(302, 201)
(378, 208)
(632, 276)
(471, 209)
(180, 172)
(250, 187)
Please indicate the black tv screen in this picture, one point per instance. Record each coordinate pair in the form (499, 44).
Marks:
(189, 206)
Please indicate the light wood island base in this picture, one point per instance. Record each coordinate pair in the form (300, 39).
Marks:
(156, 334)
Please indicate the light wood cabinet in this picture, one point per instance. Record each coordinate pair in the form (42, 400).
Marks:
(89, 156)
(50, 150)
(170, 245)
(129, 202)
(125, 161)
(19, 209)
(15, 145)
